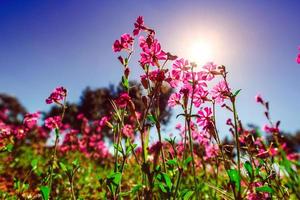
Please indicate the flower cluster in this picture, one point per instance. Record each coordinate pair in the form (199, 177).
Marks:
(58, 95)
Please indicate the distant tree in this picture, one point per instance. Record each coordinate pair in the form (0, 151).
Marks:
(95, 103)
(15, 110)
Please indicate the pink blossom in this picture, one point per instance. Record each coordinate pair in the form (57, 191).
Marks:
(128, 131)
(125, 42)
(220, 92)
(103, 121)
(259, 99)
(138, 25)
(157, 75)
(53, 122)
(204, 118)
(57, 95)
(30, 119)
(123, 100)
(200, 95)
(210, 70)
(174, 99)
(271, 129)
(211, 151)
(152, 52)
(179, 68)
(298, 57)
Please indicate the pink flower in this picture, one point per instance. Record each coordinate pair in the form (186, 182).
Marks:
(271, 129)
(200, 95)
(259, 99)
(179, 68)
(220, 92)
(128, 131)
(57, 95)
(211, 151)
(123, 100)
(125, 42)
(298, 57)
(103, 121)
(210, 70)
(157, 75)
(204, 118)
(138, 25)
(30, 119)
(152, 52)
(174, 99)
(53, 122)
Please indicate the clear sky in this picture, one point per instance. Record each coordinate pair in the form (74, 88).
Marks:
(44, 44)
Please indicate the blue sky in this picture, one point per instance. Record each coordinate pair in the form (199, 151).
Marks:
(44, 44)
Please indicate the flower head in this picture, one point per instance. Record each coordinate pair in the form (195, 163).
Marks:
(204, 119)
(152, 52)
(298, 57)
(30, 119)
(174, 99)
(128, 131)
(125, 42)
(123, 100)
(138, 25)
(57, 95)
(53, 122)
(220, 92)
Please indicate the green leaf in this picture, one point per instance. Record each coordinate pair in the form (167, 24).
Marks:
(265, 189)
(152, 119)
(45, 190)
(167, 180)
(234, 177)
(116, 178)
(118, 147)
(125, 83)
(63, 166)
(187, 161)
(136, 188)
(162, 187)
(172, 162)
(188, 195)
(76, 162)
(237, 92)
(248, 168)
(9, 147)
(34, 163)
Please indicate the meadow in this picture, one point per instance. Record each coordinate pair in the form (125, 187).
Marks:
(111, 158)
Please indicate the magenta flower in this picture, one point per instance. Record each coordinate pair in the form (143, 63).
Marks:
(152, 52)
(53, 122)
(259, 99)
(200, 95)
(179, 68)
(298, 57)
(220, 92)
(211, 151)
(57, 95)
(125, 42)
(204, 118)
(271, 129)
(30, 119)
(128, 131)
(138, 25)
(174, 99)
(210, 70)
(123, 100)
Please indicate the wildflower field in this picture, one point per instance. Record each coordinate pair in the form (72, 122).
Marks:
(107, 155)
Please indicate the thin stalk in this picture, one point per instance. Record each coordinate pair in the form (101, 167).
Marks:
(237, 141)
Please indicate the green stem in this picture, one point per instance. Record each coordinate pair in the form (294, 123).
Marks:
(237, 141)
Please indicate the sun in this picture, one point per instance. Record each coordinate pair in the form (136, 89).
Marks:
(200, 52)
